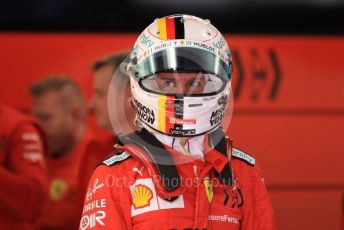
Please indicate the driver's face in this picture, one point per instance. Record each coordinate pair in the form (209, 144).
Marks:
(181, 83)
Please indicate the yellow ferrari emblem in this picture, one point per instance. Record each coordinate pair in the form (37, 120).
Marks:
(57, 189)
(208, 189)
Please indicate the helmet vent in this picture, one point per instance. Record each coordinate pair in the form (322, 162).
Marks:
(196, 105)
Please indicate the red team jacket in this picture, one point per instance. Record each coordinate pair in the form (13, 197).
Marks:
(125, 192)
(21, 170)
(96, 152)
(62, 208)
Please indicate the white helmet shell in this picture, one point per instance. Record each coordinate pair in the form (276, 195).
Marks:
(180, 44)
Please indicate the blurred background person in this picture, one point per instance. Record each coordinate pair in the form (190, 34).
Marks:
(103, 70)
(22, 170)
(60, 107)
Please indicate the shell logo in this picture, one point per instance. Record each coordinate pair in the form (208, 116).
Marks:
(142, 196)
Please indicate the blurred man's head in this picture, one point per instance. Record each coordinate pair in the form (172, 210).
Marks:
(60, 107)
(103, 71)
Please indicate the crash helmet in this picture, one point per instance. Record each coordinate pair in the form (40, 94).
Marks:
(180, 71)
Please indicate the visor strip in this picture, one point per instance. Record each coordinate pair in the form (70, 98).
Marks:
(169, 113)
(162, 113)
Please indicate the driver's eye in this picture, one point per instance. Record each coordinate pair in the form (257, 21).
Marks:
(194, 84)
(169, 84)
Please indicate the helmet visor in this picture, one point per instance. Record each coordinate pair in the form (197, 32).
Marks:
(182, 59)
(172, 83)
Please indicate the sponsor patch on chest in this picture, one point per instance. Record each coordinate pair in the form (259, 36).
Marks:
(145, 199)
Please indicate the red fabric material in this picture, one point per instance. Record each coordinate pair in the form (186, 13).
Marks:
(62, 208)
(113, 191)
(97, 151)
(22, 175)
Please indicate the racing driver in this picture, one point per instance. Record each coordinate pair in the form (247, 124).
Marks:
(178, 170)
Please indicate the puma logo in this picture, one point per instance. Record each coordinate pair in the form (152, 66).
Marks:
(138, 171)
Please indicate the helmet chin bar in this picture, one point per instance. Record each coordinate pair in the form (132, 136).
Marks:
(180, 116)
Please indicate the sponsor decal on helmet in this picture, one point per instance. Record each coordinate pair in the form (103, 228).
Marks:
(204, 46)
(145, 40)
(217, 115)
(220, 44)
(180, 121)
(222, 100)
(177, 131)
(144, 113)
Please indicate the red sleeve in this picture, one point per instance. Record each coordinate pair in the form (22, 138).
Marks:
(93, 157)
(23, 178)
(107, 204)
(259, 213)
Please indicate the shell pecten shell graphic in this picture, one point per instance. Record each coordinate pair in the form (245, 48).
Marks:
(142, 196)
